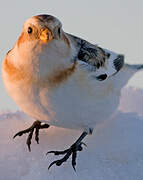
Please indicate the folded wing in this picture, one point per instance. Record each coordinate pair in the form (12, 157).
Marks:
(101, 62)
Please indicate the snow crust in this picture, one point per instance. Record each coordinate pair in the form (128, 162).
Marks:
(114, 152)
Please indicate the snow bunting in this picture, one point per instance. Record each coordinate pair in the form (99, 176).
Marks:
(62, 80)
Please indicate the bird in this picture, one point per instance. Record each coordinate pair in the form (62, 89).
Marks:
(63, 80)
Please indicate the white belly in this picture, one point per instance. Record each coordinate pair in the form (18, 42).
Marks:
(78, 108)
(76, 104)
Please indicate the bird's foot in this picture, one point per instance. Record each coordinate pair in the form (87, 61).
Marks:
(35, 126)
(72, 151)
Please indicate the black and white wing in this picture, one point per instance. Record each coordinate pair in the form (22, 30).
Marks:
(112, 66)
(101, 62)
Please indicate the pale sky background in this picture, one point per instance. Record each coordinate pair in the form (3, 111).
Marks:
(113, 24)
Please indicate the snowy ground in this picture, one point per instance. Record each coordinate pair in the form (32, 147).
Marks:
(114, 152)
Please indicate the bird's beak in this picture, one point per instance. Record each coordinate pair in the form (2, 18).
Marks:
(46, 35)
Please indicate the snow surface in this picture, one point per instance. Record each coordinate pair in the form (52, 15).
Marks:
(114, 152)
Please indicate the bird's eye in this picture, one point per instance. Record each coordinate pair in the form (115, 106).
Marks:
(30, 30)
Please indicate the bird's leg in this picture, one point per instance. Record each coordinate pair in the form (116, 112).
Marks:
(35, 126)
(72, 151)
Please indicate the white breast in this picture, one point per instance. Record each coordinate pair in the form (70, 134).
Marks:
(79, 103)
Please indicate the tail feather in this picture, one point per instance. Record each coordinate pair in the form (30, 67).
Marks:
(130, 69)
(126, 73)
(134, 67)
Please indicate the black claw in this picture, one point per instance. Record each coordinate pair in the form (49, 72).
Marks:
(17, 134)
(29, 139)
(35, 126)
(64, 159)
(68, 152)
(37, 135)
(58, 163)
(54, 162)
(58, 152)
(20, 133)
(28, 144)
(61, 161)
(29, 148)
(74, 155)
(74, 168)
(77, 146)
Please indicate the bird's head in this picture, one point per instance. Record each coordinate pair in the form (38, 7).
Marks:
(44, 42)
(44, 32)
(41, 28)
(43, 52)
